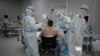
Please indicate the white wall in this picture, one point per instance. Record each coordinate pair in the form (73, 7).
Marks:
(96, 20)
(43, 6)
(10, 7)
(26, 3)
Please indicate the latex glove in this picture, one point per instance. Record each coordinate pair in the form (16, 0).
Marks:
(38, 25)
(68, 20)
(67, 26)
(41, 24)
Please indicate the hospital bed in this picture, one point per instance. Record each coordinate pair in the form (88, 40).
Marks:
(13, 29)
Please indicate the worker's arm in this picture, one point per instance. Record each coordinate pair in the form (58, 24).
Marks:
(33, 24)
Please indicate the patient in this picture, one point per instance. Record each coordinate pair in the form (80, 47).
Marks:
(49, 31)
(19, 20)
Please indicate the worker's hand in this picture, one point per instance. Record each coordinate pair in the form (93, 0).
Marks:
(40, 24)
(37, 26)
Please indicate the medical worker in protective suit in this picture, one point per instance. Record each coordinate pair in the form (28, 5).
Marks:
(78, 31)
(70, 35)
(29, 32)
(55, 16)
(64, 23)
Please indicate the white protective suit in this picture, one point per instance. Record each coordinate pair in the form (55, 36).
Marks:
(79, 29)
(45, 20)
(76, 32)
(55, 17)
(65, 22)
(75, 35)
(69, 40)
(67, 25)
(29, 33)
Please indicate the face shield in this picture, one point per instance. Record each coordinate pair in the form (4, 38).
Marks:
(55, 12)
(29, 11)
(61, 16)
(84, 10)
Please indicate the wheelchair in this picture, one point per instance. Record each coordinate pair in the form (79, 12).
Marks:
(49, 46)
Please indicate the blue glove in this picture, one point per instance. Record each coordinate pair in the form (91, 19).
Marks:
(62, 25)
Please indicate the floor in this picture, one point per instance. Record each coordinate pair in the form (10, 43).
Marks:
(11, 47)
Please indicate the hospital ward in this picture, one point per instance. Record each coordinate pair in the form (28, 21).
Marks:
(49, 28)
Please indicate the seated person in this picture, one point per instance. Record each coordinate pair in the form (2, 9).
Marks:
(19, 21)
(49, 31)
(5, 21)
(0, 25)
